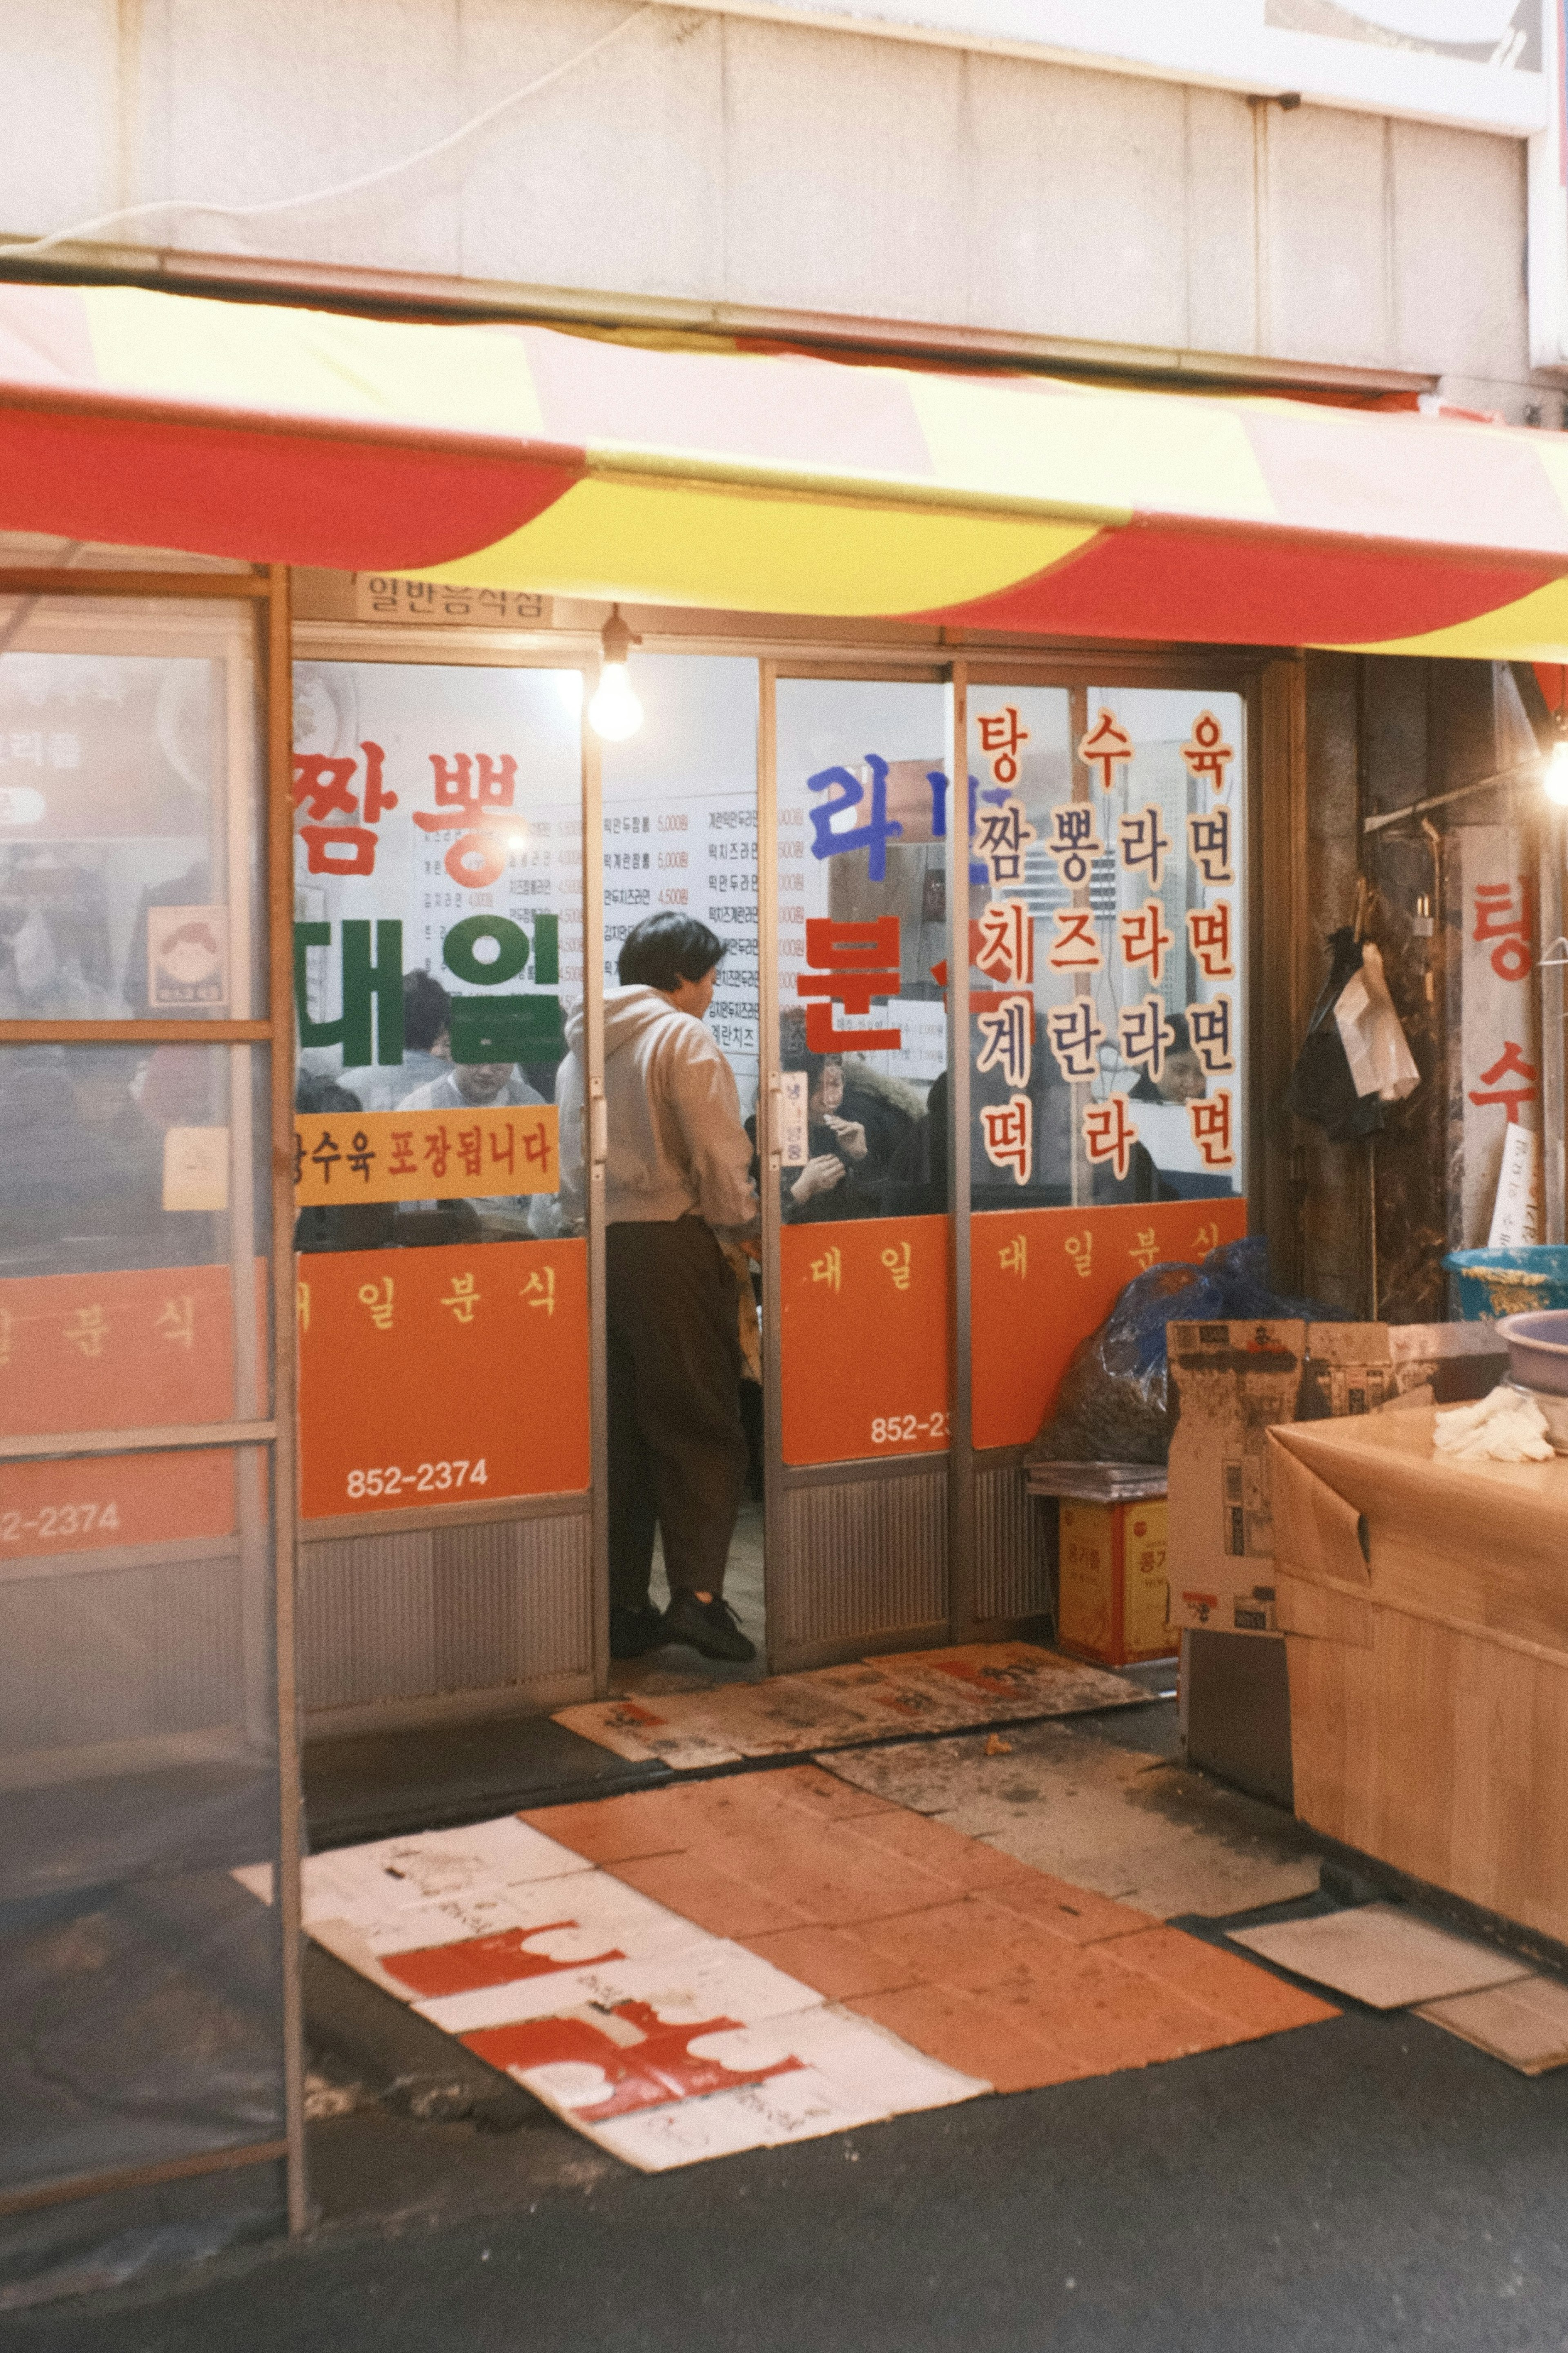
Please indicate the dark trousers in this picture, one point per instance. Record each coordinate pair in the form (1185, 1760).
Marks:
(677, 1451)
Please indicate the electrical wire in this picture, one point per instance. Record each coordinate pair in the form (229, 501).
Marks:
(377, 178)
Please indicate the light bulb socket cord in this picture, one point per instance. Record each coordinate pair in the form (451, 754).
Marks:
(615, 640)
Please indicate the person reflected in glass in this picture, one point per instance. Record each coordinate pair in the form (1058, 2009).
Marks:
(858, 1121)
(426, 1049)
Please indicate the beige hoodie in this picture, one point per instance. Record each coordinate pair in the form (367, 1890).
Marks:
(675, 1139)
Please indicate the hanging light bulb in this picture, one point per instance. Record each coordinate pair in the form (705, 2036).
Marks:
(1554, 777)
(615, 713)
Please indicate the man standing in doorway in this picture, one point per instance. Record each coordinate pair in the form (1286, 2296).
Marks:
(676, 1180)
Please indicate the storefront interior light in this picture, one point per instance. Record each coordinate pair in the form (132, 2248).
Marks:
(1555, 775)
(615, 713)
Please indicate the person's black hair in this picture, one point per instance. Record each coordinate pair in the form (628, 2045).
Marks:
(427, 1010)
(665, 949)
(314, 1094)
(800, 1057)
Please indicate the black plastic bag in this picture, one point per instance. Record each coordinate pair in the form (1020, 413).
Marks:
(1321, 1088)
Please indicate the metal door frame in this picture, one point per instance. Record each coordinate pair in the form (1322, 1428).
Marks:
(270, 845)
(1270, 688)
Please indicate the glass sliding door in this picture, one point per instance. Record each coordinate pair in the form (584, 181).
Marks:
(149, 1991)
(443, 1276)
(1107, 1042)
(681, 834)
(856, 1305)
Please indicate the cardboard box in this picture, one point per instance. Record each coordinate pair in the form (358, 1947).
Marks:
(1425, 1612)
(1232, 1383)
(1361, 1367)
(1111, 1603)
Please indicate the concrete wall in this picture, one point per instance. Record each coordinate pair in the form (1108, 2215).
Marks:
(732, 165)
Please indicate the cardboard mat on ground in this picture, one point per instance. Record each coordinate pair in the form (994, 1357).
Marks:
(720, 1965)
(1391, 1958)
(1140, 1829)
(835, 1707)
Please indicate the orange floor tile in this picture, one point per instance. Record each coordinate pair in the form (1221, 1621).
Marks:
(971, 1956)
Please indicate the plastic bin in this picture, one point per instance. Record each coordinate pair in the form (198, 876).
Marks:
(1490, 1283)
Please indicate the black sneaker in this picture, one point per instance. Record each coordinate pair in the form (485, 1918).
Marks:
(635, 1631)
(709, 1627)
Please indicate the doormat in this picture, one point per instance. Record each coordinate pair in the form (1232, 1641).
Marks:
(714, 1965)
(960, 1690)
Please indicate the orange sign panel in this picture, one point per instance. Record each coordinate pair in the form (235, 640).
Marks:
(341, 1158)
(863, 1317)
(455, 1375)
(127, 1350)
(1043, 1280)
(100, 1501)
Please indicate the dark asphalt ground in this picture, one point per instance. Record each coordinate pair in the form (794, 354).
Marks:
(1371, 2182)
(1367, 2183)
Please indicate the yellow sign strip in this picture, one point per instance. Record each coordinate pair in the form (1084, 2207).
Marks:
(343, 1158)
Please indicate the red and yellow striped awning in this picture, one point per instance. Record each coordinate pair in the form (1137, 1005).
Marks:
(522, 457)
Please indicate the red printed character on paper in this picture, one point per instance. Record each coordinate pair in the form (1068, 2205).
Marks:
(1007, 1039)
(1077, 948)
(1207, 753)
(1209, 930)
(1211, 1126)
(1104, 746)
(473, 791)
(1512, 926)
(1008, 1131)
(852, 963)
(1074, 843)
(1003, 941)
(1109, 1134)
(1076, 1037)
(1144, 938)
(323, 787)
(1509, 1063)
(1000, 736)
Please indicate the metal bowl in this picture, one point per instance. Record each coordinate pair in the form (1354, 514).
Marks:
(1538, 1350)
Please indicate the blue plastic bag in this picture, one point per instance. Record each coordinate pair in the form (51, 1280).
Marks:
(1113, 1404)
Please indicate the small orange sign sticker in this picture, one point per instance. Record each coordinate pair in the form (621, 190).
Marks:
(341, 1158)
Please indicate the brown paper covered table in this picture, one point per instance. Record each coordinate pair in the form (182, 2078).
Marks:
(1425, 1607)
